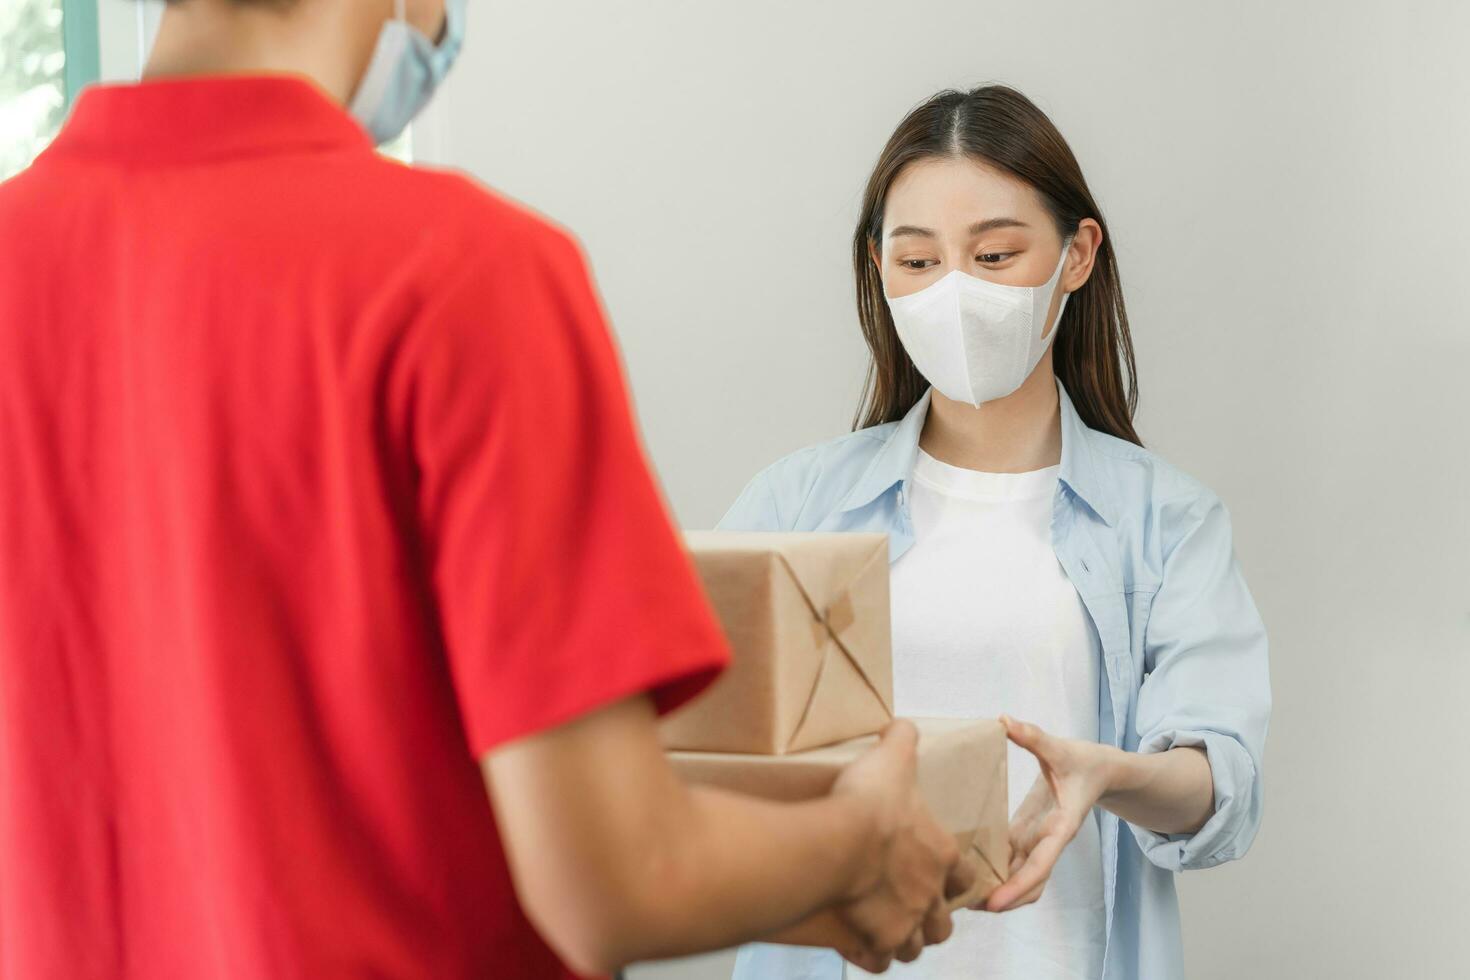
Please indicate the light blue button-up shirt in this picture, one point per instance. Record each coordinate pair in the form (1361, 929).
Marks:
(1183, 647)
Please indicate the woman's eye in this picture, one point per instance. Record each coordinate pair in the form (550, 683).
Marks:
(915, 264)
(991, 258)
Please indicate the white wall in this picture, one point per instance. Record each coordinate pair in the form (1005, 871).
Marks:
(125, 29)
(1286, 184)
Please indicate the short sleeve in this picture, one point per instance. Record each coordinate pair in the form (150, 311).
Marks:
(560, 582)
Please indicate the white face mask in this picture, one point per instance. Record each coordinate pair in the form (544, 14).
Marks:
(973, 339)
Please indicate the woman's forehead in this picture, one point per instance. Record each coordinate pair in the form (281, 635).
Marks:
(953, 190)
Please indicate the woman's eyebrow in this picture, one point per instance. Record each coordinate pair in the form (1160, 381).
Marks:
(990, 224)
(978, 228)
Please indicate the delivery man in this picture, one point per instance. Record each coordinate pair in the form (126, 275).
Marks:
(322, 511)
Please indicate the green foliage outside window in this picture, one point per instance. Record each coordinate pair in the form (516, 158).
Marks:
(32, 79)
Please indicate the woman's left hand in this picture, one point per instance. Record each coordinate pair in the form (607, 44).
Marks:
(1074, 776)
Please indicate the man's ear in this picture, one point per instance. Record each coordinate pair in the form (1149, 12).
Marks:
(431, 17)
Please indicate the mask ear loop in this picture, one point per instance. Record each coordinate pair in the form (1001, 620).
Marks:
(142, 33)
(1047, 337)
(1062, 263)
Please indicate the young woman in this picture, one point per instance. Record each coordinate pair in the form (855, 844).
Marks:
(1045, 565)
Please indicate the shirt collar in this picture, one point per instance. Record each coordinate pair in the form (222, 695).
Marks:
(207, 117)
(1080, 469)
(895, 460)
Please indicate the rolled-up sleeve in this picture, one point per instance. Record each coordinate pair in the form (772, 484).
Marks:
(1207, 683)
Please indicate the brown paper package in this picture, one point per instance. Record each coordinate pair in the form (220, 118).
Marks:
(962, 777)
(808, 623)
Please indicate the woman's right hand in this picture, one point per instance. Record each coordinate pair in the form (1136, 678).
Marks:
(912, 867)
(1074, 775)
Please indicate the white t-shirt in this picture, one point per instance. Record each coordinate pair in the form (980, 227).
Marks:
(986, 622)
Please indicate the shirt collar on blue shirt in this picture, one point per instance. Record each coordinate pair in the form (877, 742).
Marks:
(895, 460)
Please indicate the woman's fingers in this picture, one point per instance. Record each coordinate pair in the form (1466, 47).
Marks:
(1025, 830)
(1029, 823)
(1029, 897)
(1028, 736)
(1038, 801)
(1034, 872)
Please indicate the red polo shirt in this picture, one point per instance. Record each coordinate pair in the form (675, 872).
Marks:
(317, 482)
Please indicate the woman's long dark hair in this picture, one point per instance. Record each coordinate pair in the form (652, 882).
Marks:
(1093, 353)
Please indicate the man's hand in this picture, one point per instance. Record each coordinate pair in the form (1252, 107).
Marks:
(615, 860)
(1074, 776)
(897, 903)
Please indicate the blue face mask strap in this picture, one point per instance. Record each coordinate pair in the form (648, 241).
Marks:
(406, 69)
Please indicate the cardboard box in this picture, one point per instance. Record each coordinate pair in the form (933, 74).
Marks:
(807, 619)
(962, 776)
